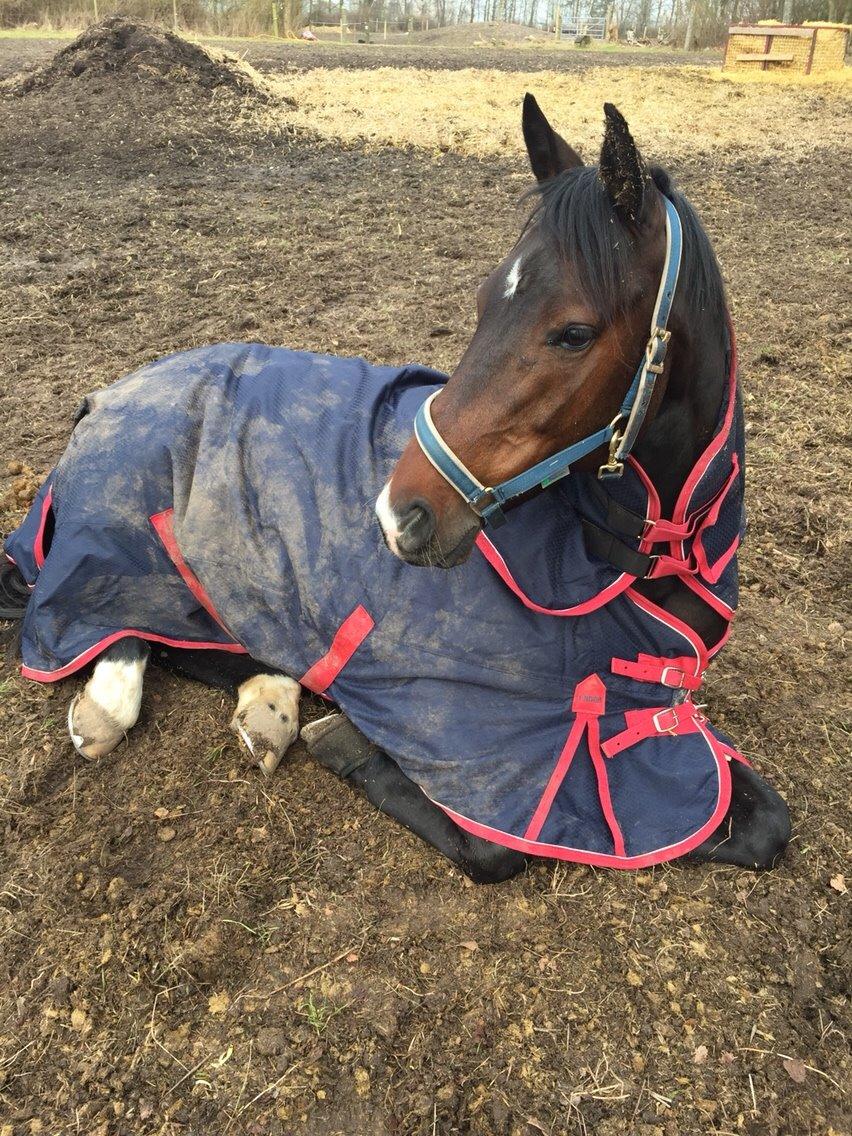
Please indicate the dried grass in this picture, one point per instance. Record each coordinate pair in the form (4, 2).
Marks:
(477, 112)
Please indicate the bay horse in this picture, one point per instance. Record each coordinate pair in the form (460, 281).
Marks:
(536, 412)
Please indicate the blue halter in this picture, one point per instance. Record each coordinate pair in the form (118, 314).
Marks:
(487, 502)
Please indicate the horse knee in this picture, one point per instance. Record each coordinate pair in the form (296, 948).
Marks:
(770, 832)
(757, 828)
(486, 863)
(14, 593)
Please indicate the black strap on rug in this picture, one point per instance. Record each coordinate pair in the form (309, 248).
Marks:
(606, 546)
(617, 517)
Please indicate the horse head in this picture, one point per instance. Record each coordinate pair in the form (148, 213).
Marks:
(562, 322)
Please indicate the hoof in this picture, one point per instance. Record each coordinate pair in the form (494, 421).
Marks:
(267, 718)
(93, 732)
(337, 744)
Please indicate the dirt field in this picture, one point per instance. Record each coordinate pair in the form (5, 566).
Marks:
(273, 57)
(187, 949)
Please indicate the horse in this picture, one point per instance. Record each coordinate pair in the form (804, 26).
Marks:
(610, 482)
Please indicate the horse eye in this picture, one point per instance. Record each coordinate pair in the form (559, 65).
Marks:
(574, 337)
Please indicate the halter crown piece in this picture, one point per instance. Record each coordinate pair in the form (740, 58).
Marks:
(621, 433)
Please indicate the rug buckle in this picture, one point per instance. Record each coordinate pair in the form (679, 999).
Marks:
(669, 729)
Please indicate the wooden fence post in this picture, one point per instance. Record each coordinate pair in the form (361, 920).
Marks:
(174, 16)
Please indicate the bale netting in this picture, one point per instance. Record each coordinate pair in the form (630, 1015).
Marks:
(118, 47)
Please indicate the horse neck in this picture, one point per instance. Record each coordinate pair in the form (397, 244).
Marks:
(673, 443)
(688, 414)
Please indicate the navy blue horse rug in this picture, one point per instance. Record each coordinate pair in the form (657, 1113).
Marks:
(223, 498)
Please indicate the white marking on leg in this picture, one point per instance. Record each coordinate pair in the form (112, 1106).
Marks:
(513, 279)
(116, 687)
(102, 713)
(387, 519)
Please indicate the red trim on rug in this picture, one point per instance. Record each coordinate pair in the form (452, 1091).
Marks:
(602, 859)
(102, 644)
(714, 574)
(164, 527)
(560, 771)
(710, 598)
(497, 562)
(349, 637)
(603, 788)
(658, 613)
(652, 512)
(587, 705)
(619, 585)
(735, 754)
(38, 543)
(715, 444)
(14, 563)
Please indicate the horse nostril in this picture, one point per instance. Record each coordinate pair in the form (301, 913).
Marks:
(416, 526)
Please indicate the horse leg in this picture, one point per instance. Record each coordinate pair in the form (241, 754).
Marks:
(756, 828)
(224, 670)
(100, 716)
(266, 719)
(341, 747)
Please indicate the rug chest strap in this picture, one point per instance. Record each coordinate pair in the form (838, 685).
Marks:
(606, 546)
(619, 518)
(675, 673)
(654, 722)
(644, 566)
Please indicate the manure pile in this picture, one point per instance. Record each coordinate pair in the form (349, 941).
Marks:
(118, 48)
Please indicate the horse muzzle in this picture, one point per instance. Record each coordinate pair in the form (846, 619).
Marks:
(412, 534)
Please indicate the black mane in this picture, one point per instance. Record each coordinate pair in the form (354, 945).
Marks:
(575, 212)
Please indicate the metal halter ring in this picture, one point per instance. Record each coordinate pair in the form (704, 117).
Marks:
(613, 467)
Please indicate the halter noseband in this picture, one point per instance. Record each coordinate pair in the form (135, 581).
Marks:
(487, 502)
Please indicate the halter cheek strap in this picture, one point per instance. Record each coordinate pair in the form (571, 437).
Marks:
(487, 501)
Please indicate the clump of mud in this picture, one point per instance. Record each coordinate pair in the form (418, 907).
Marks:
(119, 47)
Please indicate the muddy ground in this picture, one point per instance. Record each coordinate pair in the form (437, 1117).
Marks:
(189, 949)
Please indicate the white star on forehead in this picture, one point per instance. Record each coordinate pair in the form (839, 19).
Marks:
(512, 279)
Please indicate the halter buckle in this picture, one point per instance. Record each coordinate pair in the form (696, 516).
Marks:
(482, 500)
(613, 467)
(486, 505)
(660, 337)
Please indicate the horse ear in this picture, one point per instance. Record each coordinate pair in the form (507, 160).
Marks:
(549, 154)
(622, 170)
